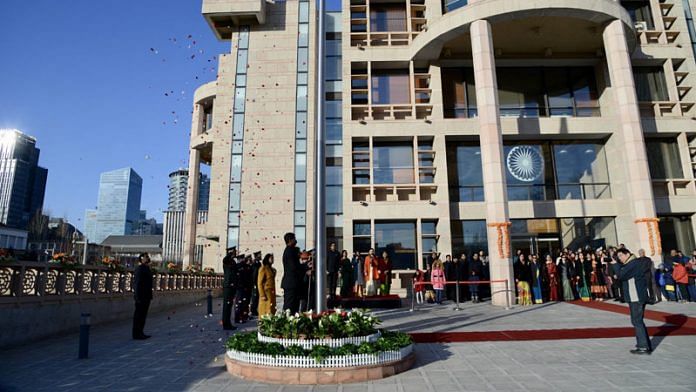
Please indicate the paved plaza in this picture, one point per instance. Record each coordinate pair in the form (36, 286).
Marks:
(186, 354)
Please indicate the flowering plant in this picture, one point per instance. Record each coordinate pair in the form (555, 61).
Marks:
(5, 256)
(173, 268)
(209, 271)
(193, 269)
(113, 264)
(63, 260)
(332, 324)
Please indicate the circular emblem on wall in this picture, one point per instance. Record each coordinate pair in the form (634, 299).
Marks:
(525, 163)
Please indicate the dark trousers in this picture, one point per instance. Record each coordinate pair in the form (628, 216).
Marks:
(333, 282)
(227, 304)
(254, 302)
(241, 305)
(637, 309)
(291, 300)
(139, 317)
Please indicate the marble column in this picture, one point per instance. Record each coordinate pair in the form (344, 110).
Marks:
(629, 128)
(491, 139)
(191, 215)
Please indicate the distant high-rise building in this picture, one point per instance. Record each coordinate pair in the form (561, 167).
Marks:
(178, 184)
(118, 209)
(145, 226)
(90, 223)
(22, 180)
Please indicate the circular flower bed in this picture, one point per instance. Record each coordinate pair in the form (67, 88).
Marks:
(331, 340)
(389, 347)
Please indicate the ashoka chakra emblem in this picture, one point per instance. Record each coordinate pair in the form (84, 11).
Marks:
(525, 163)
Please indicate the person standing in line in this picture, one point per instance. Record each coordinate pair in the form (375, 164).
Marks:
(552, 279)
(691, 268)
(255, 267)
(358, 274)
(448, 267)
(387, 273)
(347, 281)
(266, 285)
(632, 273)
(371, 273)
(244, 287)
(438, 278)
(567, 273)
(474, 274)
(681, 279)
(333, 263)
(485, 289)
(418, 286)
(523, 277)
(142, 290)
(293, 275)
(461, 271)
(229, 287)
(537, 276)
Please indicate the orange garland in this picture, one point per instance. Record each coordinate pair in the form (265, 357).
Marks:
(503, 229)
(653, 231)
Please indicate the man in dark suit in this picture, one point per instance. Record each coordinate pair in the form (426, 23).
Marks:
(293, 275)
(229, 287)
(333, 261)
(255, 266)
(633, 273)
(142, 289)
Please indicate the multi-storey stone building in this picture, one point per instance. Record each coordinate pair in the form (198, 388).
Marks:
(452, 126)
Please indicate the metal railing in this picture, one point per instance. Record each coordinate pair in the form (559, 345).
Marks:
(34, 281)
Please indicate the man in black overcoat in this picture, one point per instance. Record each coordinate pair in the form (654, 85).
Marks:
(142, 290)
(229, 287)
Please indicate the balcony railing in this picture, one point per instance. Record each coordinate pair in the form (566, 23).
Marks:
(674, 187)
(31, 281)
(517, 192)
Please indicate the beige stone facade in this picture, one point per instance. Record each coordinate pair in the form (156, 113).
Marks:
(395, 94)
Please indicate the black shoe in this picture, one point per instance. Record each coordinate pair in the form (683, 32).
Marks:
(141, 337)
(641, 351)
(229, 328)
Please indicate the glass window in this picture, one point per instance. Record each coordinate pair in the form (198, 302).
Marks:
(232, 236)
(525, 172)
(334, 68)
(302, 55)
(301, 125)
(469, 236)
(242, 58)
(300, 218)
(300, 196)
(390, 87)
(238, 127)
(398, 239)
(581, 171)
(393, 163)
(303, 40)
(451, 5)
(302, 98)
(428, 227)
(239, 98)
(650, 84)
(388, 17)
(300, 167)
(235, 195)
(639, 11)
(664, 159)
(465, 173)
(558, 92)
(334, 131)
(236, 172)
(304, 10)
(361, 228)
(593, 232)
(520, 91)
(677, 233)
(459, 92)
(334, 175)
(584, 88)
(334, 199)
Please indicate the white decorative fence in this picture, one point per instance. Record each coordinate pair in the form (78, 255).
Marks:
(328, 362)
(308, 344)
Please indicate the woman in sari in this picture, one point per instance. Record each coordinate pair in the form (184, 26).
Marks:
(552, 279)
(523, 276)
(567, 274)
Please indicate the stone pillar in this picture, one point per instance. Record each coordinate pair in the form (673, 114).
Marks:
(491, 139)
(191, 215)
(629, 129)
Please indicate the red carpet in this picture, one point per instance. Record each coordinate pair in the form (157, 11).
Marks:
(675, 325)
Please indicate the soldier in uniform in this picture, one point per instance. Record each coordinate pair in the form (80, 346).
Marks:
(244, 287)
(229, 266)
(255, 267)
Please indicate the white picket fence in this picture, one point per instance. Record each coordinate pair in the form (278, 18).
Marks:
(328, 362)
(308, 344)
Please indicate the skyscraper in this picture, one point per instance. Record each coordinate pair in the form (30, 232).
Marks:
(178, 185)
(22, 181)
(118, 208)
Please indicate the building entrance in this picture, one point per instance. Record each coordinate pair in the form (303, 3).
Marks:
(541, 244)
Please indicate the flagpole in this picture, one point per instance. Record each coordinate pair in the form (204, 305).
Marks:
(320, 161)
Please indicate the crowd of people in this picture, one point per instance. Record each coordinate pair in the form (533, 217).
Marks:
(584, 274)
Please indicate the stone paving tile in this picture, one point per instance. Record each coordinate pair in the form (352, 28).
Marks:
(186, 354)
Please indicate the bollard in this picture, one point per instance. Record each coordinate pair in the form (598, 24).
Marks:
(413, 295)
(210, 302)
(457, 295)
(507, 295)
(84, 335)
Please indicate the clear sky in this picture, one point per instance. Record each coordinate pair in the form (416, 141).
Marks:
(101, 85)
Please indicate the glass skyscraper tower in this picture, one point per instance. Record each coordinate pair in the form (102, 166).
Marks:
(118, 208)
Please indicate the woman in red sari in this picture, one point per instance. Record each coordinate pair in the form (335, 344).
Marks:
(552, 278)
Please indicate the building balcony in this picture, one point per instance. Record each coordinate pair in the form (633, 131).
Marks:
(674, 187)
(224, 16)
(385, 23)
(524, 27)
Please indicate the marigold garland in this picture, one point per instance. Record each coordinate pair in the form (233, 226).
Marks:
(653, 234)
(503, 230)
